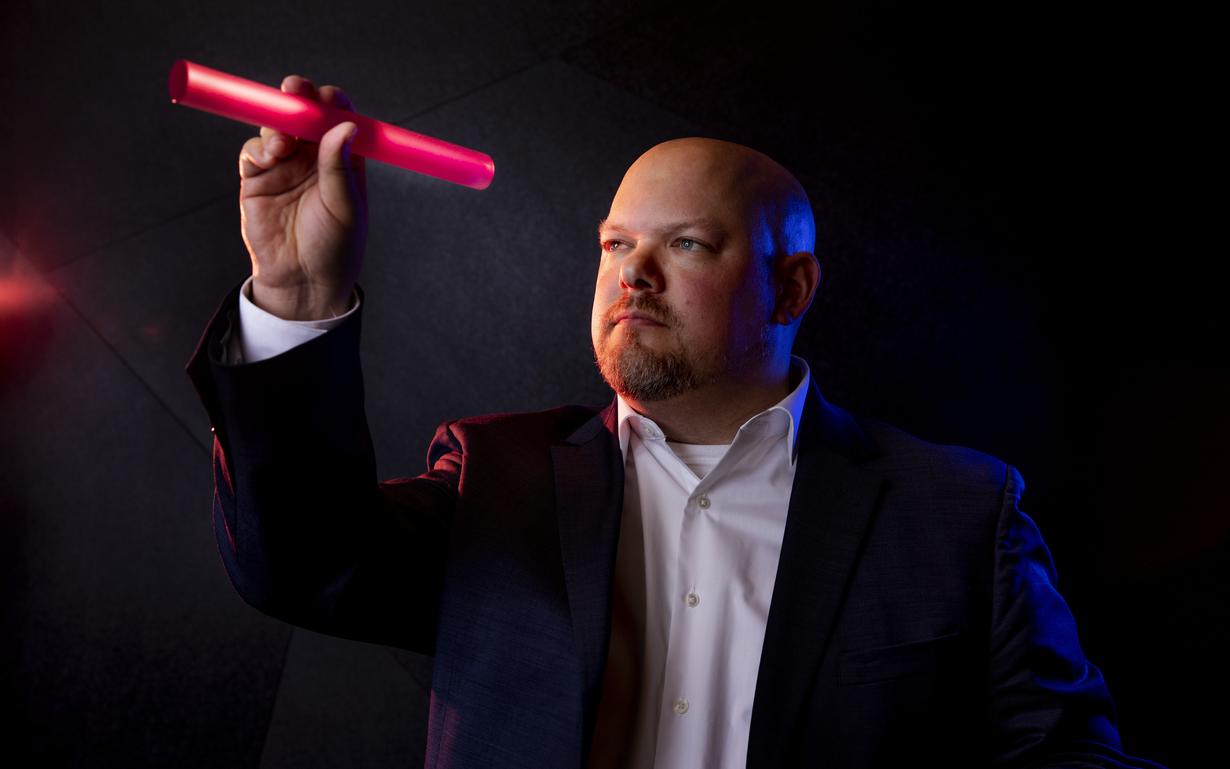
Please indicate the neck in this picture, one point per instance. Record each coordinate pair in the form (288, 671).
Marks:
(714, 413)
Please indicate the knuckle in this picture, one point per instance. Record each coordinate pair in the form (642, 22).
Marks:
(340, 97)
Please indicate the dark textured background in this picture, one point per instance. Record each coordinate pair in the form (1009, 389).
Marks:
(1015, 258)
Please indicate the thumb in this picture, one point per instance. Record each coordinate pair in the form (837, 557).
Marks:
(338, 183)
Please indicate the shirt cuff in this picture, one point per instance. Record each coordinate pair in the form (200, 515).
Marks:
(263, 335)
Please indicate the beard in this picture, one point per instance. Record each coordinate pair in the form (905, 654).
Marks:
(639, 372)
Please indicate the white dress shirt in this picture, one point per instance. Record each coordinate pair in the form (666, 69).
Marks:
(263, 335)
(697, 558)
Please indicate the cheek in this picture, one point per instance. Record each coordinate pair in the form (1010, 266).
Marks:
(595, 329)
(604, 296)
(720, 315)
(754, 299)
(708, 308)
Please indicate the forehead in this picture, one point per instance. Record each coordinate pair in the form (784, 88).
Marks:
(668, 187)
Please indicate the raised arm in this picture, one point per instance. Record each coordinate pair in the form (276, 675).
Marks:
(305, 530)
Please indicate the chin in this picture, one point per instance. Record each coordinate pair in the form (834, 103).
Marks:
(642, 374)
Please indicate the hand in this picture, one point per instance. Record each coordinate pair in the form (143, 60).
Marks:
(303, 214)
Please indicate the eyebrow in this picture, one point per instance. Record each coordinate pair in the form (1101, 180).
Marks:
(703, 223)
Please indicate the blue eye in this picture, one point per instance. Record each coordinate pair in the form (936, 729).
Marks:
(688, 244)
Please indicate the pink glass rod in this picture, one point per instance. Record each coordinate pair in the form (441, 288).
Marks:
(210, 90)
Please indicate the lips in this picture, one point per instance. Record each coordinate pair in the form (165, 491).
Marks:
(637, 319)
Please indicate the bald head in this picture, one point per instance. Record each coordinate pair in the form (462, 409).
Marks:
(769, 196)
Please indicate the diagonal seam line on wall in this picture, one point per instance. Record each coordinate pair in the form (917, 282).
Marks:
(277, 694)
(205, 447)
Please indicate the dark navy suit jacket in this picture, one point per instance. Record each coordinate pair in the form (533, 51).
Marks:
(914, 617)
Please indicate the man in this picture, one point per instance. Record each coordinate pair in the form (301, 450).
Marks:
(719, 569)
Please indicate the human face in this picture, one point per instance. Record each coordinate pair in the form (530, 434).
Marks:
(682, 299)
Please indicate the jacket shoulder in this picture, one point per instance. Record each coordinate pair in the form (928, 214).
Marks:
(549, 426)
(903, 454)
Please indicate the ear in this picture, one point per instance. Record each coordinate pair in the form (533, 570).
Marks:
(796, 277)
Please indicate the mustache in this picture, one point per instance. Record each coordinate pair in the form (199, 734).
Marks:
(644, 304)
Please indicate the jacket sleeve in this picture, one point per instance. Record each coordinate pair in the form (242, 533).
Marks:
(1050, 706)
(306, 532)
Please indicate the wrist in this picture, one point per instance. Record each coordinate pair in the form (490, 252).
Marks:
(305, 302)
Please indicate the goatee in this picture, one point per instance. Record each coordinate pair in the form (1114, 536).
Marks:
(636, 372)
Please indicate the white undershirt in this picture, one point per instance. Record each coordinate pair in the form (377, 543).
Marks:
(697, 558)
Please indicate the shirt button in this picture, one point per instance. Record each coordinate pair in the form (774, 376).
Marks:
(703, 501)
(681, 706)
(692, 599)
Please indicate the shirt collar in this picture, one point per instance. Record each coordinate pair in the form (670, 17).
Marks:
(792, 405)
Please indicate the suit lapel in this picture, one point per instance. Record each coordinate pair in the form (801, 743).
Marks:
(831, 507)
(589, 486)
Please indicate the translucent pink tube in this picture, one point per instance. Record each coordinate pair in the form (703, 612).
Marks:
(210, 90)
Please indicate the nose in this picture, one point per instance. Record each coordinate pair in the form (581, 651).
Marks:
(640, 271)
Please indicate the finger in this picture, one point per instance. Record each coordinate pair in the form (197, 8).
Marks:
(277, 142)
(336, 97)
(339, 189)
(255, 158)
(300, 86)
